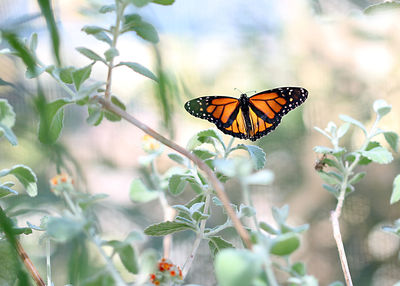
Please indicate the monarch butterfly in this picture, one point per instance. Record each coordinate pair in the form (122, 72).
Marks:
(248, 117)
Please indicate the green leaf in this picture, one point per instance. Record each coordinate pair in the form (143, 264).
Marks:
(65, 74)
(381, 107)
(62, 229)
(351, 120)
(139, 3)
(263, 177)
(299, 268)
(285, 244)
(139, 69)
(257, 155)
(21, 51)
(177, 158)
(79, 76)
(7, 121)
(342, 130)
(280, 214)
(323, 132)
(33, 42)
(128, 258)
(217, 243)
(329, 178)
(25, 176)
(331, 189)
(339, 283)
(395, 197)
(112, 116)
(203, 154)
(378, 155)
(9, 263)
(90, 54)
(111, 53)
(47, 11)
(383, 7)
(95, 117)
(6, 190)
(237, 267)
(89, 200)
(356, 178)
(107, 8)
(268, 228)
(98, 33)
(165, 228)
(3, 83)
(133, 22)
(210, 136)
(177, 183)
(163, 2)
(392, 139)
(139, 193)
(51, 120)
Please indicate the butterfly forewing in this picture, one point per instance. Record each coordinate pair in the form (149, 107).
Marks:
(220, 110)
(273, 104)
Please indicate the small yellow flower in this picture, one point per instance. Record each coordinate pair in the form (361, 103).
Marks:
(150, 145)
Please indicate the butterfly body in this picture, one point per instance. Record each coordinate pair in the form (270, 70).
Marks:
(248, 117)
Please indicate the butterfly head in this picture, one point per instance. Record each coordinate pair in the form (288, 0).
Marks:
(244, 100)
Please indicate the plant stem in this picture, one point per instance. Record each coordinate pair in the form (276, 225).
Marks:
(199, 237)
(7, 228)
(48, 264)
(119, 10)
(110, 266)
(249, 202)
(216, 184)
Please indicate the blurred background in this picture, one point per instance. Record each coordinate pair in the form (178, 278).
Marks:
(344, 58)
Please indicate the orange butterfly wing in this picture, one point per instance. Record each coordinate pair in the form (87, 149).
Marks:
(223, 111)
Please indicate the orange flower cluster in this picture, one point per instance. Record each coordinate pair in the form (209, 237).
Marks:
(59, 180)
(167, 273)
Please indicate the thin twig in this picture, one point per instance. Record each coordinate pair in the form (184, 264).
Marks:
(28, 264)
(199, 237)
(335, 215)
(216, 184)
(339, 244)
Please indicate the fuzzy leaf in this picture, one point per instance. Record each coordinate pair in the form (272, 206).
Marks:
(7, 121)
(63, 229)
(396, 190)
(257, 155)
(90, 54)
(392, 139)
(353, 121)
(139, 69)
(51, 120)
(25, 176)
(165, 228)
(79, 76)
(237, 267)
(139, 193)
(217, 243)
(285, 244)
(378, 155)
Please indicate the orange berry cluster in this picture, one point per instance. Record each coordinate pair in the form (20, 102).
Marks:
(167, 272)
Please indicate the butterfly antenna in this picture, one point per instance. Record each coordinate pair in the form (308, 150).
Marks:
(238, 90)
